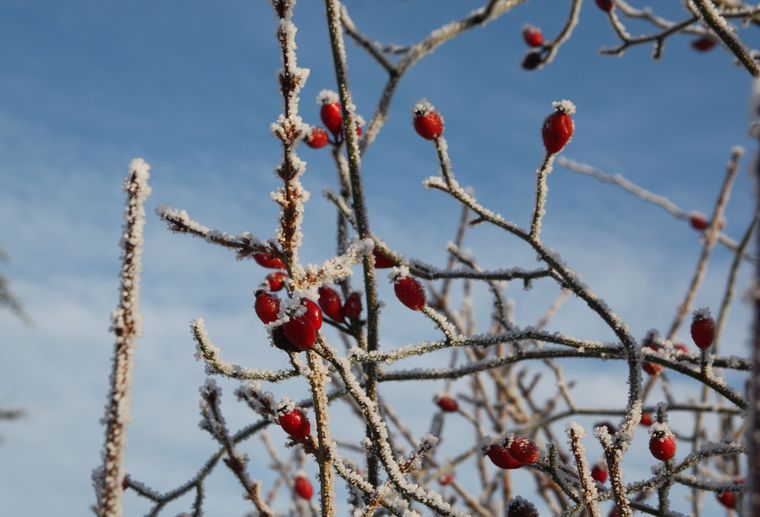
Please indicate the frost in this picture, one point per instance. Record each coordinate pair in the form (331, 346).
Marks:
(327, 97)
(565, 106)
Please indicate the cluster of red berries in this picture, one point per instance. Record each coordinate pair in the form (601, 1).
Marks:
(330, 302)
(519, 451)
(331, 114)
(299, 332)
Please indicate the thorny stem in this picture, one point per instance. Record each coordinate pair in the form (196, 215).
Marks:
(126, 325)
(717, 23)
(357, 197)
(588, 488)
(711, 237)
(317, 377)
(752, 500)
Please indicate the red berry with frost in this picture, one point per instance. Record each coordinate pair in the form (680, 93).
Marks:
(519, 507)
(303, 487)
(280, 341)
(605, 5)
(329, 301)
(295, 423)
(662, 445)
(410, 292)
(599, 472)
(558, 127)
(501, 458)
(382, 261)
(703, 44)
(353, 306)
(332, 117)
(727, 499)
(646, 419)
(446, 479)
(313, 312)
(532, 36)
(300, 332)
(447, 403)
(316, 138)
(698, 221)
(276, 280)
(523, 450)
(427, 122)
(268, 260)
(267, 306)
(702, 330)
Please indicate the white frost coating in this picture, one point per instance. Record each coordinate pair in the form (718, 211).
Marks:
(565, 106)
(335, 269)
(423, 107)
(398, 272)
(703, 313)
(126, 325)
(327, 97)
(576, 428)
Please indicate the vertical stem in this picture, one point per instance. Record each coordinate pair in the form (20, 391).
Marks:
(541, 191)
(324, 454)
(752, 498)
(126, 324)
(588, 488)
(357, 198)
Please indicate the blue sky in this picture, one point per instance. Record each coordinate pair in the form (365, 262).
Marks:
(190, 86)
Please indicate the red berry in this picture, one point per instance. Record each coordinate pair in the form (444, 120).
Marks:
(268, 260)
(276, 280)
(446, 479)
(727, 499)
(523, 450)
(662, 445)
(649, 367)
(605, 5)
(698, 221)
(613, 513)
(382, 261)
(329, 301)
(300, 332)
(646, 419)
(599, 472)
(410, 292)
(332, 117)
(317, 138)
(702, 330)
(313, 312)
(303, 487)
(532, 60)
(681, 348)
(447, 404)
(519, 507)
(501, 458)
(427, 122)
(353, 306)
(267, 306)
(703, 44)
(280, 341)
(532, 36)
(558, 127)
(295, 423)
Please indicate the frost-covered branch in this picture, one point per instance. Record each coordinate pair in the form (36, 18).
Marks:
(126, 323)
